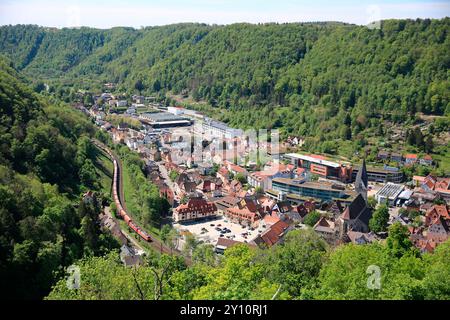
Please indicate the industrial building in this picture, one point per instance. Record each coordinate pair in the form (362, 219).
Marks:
(164, 120)
(389, 193)
(218, 129)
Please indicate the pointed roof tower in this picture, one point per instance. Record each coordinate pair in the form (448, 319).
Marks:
(362, 181)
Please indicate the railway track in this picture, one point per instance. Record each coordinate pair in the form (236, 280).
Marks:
(119, 200)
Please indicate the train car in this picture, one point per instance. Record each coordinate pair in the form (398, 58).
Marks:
(127, 219)
(144, 235)
(133, 226)
(116, 199)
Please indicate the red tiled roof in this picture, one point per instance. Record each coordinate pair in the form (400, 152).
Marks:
(236, 168)
(195, 204)
(411, 156)
(227, 242)
(276, 231)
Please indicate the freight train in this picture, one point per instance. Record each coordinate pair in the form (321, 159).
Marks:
(118, 204)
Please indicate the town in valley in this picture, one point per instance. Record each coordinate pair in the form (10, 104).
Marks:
(228, 196)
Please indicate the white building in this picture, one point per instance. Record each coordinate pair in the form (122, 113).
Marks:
(175, 110)
(218, 129)
(389, 193)
(122, 103)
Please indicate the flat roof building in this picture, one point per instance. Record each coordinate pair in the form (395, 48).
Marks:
(219, 129)
(389, 193)
(385, 174)
(164, 120)
(318, 190)
(321, 167)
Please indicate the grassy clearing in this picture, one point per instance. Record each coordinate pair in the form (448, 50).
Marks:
(132, 205)
(104, 169)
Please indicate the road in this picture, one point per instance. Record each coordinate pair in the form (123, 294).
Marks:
(155, 243)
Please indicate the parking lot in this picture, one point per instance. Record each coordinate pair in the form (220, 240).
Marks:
(206, 230)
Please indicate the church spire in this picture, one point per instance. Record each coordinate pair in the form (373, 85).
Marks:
(362, 181)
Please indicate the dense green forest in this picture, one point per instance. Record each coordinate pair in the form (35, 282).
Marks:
(46, 164)
(343, 87)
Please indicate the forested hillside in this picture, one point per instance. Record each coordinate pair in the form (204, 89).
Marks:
(46, 163)
(336, 84)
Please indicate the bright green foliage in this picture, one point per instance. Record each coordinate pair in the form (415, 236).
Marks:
(312, 218)
(236, 278)
(42, 157)
(297, 262)
(398, 242)
(380, 218)
(105, 278)
(144, 201)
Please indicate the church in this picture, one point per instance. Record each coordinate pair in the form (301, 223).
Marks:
(357, 214)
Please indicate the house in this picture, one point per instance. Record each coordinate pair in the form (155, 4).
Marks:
(121, 103)
(195, 208)
(426, 160)
(205, 168)
(360, 238)
(234, 187)
(440, 187)
(154, 154)
(263, 179)
(130, 257)
(411, 158)
(438, 231)
(235, 169)
(248, 211)
(223, 243)
(436, 212)
(396, 157)
(138, 99)
(383, 155)
(165, 191)
(326, 228)
(226, 202)
(272, 235)
(417, 180)
(223, 174)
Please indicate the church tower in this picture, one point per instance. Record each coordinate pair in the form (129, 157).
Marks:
(362, 181)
